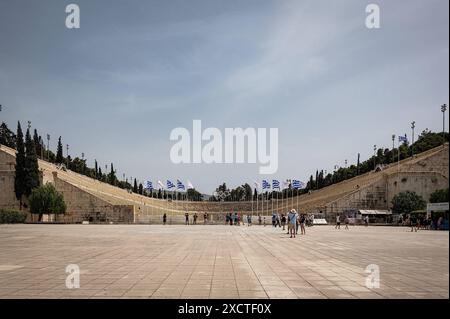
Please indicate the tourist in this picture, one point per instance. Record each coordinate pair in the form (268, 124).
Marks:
(264, 221)
(338, 222)
(277, 220)
(288, 221)
(187, 218)
(164, 219)
(195, 219)
(413, 223)
(366, 220)
(274, 218)
(302, 224)
(440, 223)
(283, 221)
(249, 220)
(259, 219)
(346, 221)
(292, 217)
(205, 218)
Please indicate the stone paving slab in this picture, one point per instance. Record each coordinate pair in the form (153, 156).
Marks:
(156, 261)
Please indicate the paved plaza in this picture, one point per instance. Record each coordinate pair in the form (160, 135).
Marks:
(142, 261)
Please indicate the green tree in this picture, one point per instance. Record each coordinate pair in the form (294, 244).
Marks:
(194, 195)
(31, 165)
(135, 187)
(439, 196)
(37, 143)
(112, 179)
(19, 181)
(7, 137)
(59, 152)
(46, 200)
(406, 202)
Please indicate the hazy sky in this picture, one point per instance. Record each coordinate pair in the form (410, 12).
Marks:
(116, 87)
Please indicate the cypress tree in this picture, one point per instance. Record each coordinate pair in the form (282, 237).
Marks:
(31, 165)
(37, 143)
(59, 152)
(19, 181)
(135, 186)
(112, 176)
(7, 137)
(141, 189)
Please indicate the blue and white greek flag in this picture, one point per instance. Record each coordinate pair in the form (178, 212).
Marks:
(402, 139)
(170, 185)
(296, 184)
(149, 185)
(265, 184)
(180, 185)
(275, 184)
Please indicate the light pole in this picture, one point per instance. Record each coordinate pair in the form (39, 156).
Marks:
(443, 109)
(48, 147)
(393, 147)
(413, 125)
(67, 148)
(374, 156)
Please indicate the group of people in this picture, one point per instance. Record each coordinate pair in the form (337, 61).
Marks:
(186, 216)
(294, 221)
(421, 222)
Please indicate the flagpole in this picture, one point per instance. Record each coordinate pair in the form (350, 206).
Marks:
(257, 195)
(398, 163)
(252, 202)
(262, 202)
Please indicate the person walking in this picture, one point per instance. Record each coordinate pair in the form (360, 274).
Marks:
(413, 220)
(283, 221)
(187, 218)
(288, 221)
(366, 220)
(249, 220)
(260, 219)
(164, 219)
(338, 222)
(274, 219)
(292, 217)
(205, 218)
(346, 221)
(195, 219)
(302, 224)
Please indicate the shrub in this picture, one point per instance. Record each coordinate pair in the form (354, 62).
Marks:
(46, 200)
(8, 216)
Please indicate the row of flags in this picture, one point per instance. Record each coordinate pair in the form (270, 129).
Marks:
(169, 185)
(296, 184)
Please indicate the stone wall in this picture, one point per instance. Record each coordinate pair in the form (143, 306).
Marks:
(82, 205)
